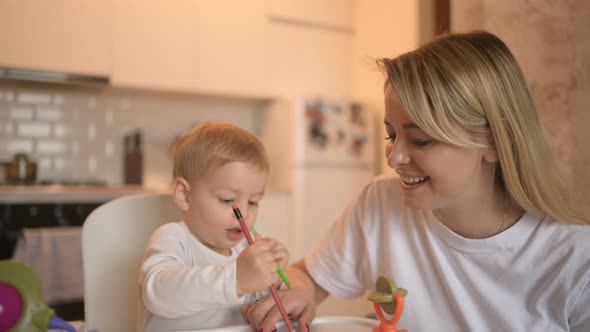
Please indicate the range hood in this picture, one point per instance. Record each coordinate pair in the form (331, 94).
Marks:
(52, 77)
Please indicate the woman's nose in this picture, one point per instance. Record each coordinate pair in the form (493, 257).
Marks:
(396, 154)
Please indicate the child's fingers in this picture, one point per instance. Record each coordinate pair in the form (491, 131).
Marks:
(262, 244)
(280, 255)
(280, 251)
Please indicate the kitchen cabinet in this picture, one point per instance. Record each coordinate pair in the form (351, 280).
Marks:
(230, 47)
(309, 62)
(196, 46)
(249, 48)
(152, 44)
(336, 14)
(310, 45)
(60, 35)
(14, 217)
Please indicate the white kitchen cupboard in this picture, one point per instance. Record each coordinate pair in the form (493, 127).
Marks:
(306, 61)
(152, 44)
(214, 47)
(336, 14)
(70, 36)
(230, 47)
(310, 47)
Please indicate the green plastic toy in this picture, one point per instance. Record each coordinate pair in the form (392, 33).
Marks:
(389, 298)
(21, 307)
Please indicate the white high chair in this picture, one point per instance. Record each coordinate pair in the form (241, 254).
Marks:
(114, 237)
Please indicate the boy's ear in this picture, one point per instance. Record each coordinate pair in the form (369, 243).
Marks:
(181, 191)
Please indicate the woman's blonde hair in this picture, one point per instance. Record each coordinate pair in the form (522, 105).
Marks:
(472, 81)
(214, 144)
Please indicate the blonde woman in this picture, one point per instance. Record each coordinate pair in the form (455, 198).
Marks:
(477, 227)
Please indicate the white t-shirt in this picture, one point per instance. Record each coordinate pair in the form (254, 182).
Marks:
(183, 285)
(531, 277)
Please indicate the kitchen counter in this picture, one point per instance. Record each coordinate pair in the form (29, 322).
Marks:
(67, 193)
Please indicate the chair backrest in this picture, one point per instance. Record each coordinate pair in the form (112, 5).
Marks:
(114, 237)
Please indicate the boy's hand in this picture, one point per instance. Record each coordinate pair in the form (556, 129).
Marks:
(282, 260)
(257, 266)
(281, 254)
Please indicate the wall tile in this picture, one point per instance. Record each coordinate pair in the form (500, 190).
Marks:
(109, 149)
(51, 147)
(58, 99)
(21, 113)
(61, 130)
(49, 113)
(78, 134)
(6, 129)
(92, 164)
(8, 96)
(91, 132)
(17, 145)
(33, 129)
(33, 98)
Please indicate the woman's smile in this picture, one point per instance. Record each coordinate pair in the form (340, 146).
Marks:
(413, 182)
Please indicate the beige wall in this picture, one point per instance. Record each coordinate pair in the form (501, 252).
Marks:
(383, 28)
(550, 41)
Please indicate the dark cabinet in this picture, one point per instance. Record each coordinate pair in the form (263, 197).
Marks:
(14, 217)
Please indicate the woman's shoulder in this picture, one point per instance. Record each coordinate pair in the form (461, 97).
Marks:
(385, 184)
(569, 239)
(571, 232)
(381, 195)
(383, 188)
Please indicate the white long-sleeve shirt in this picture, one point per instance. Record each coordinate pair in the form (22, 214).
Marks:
(534, 276)
(185, 285)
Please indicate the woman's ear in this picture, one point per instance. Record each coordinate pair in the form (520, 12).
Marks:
(491, 155)
(181, 191)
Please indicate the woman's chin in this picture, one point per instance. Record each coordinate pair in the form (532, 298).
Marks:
(413, 203)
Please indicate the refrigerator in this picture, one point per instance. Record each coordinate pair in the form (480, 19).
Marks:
(323, 152)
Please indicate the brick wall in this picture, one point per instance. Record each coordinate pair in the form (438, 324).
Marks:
(76, 134)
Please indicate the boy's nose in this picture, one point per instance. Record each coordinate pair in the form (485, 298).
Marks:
(248, 216)
(243, 210)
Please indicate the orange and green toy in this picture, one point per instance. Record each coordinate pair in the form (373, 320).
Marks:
(21, 306)
(389, 298)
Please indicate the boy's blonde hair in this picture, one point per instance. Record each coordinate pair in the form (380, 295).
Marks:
(214, 144)
(472, 81)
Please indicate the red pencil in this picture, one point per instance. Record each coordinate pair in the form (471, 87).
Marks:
(273, 291)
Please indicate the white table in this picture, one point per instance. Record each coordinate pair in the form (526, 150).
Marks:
(319, 324)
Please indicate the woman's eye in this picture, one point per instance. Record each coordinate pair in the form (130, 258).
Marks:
(390, 137)
(253, 203)
(226, 200)
(421, 143)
